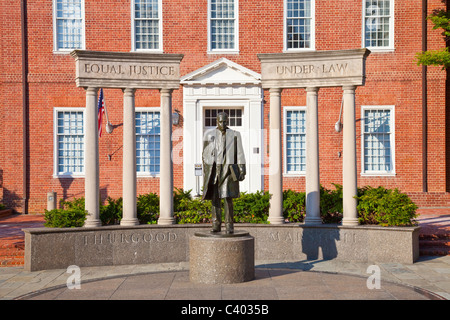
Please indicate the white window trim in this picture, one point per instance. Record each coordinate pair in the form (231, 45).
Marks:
(133, 33)
(55, 141)
(236, 32)
(391, 47)
(313, 29)
(55, 33)
(285, 172)
(392, 137)
(147, 109)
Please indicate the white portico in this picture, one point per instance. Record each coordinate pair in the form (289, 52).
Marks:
(129, 72)
(313, 70)
(228, 86)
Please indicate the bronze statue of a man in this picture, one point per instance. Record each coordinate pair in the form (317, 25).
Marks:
(223, 168)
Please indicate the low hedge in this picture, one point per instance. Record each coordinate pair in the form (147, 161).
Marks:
(386, 207)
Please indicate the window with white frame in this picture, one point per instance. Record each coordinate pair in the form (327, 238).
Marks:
(69, 141)
(378, 24)
(223, 25)
(147, 141)
(299, 24)
(378, 140)
(147, 25)
(68, 17)
(234, 117)
(295, 140)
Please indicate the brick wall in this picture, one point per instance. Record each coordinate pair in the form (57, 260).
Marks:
(392, 79)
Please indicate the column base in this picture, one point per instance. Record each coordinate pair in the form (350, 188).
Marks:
(129, 222)
(276, 220)
(312, 220)
(92, 223)
(166, 221)
(350, 221)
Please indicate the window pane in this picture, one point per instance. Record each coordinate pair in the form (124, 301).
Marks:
(146, 24)
(69, 24)
(299, 16)
(222, 9)
(70, 145)
(295, 141)
(377, 141)
(148, 141)
(146, 9)
(68, 9)
(377, 23)
(222, 24)
(234, 117)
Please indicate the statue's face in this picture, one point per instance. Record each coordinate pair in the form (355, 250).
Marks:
(222, 121)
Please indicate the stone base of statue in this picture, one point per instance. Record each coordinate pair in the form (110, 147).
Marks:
(220, 258)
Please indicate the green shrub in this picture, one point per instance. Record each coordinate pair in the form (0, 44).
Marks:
(252, 207)
(112, 212)
(192, 211)
(2, 206)
(380, 206)
(76, 203)
(294, 206)
(180, 199)
(386, 207)
(65, 218)
(148, 208)
(331, 204)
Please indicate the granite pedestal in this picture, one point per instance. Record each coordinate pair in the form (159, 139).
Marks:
(219, 258)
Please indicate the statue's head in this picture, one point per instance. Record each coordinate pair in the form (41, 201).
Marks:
(222, 121)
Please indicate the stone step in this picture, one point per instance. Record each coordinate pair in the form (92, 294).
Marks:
(11, 261)
(5, 213)
(434, 251)
(434, 244)
(434, 236)
(441, 243)
(11, 252)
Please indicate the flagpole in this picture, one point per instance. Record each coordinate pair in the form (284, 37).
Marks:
(108, 126)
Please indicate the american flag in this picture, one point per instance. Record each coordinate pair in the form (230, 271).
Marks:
(101, 111)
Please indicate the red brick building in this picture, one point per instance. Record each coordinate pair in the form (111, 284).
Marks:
(41, 109)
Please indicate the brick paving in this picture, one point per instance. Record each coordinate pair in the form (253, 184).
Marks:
(434, 238)
(12, 242)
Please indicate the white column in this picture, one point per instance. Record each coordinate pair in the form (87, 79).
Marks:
(166, 163)
(312, 158)
(129, 160)
(349, 158)
(92, 179)
(275, 156)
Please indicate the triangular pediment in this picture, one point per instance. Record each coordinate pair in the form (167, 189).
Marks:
(222, 71)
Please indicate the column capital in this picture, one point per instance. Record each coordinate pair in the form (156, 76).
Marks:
(129, 91)
(349, 88)
(165, 91)
(91, 90)
(275, 90)
(312, 89)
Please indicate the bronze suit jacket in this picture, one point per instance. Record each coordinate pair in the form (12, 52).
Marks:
(223, 153)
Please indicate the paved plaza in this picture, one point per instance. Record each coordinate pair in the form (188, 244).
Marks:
(428, 278)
